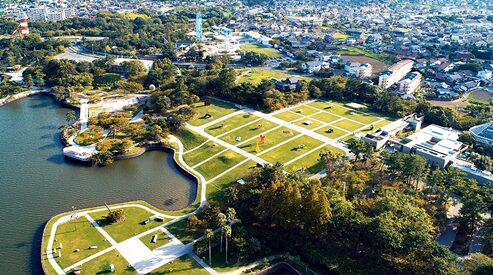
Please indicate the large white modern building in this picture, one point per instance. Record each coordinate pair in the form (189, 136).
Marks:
(395, 73)
(439, 145)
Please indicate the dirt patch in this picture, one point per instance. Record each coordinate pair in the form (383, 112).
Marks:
(450, 104)
(378, 66)
(482, 95)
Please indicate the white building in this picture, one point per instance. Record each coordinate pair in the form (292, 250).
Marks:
(395, 73)
(50, 14)
(410, 83)
(314, 66)
(439, 145)
(485, 75)
(359, 70)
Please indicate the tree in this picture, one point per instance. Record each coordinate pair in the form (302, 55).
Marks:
(209, 235)
(227, 234)
(70, 117)
(28, 81)
(116, 216)
(221, 221)
(254, 59)
(231, 215)
(133, 67)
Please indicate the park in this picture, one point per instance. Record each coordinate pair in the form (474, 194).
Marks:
(219, 147)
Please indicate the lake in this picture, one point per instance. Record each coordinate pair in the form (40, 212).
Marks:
(38, 182)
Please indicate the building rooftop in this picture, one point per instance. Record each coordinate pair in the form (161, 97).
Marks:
(483, 131)
(435, 138)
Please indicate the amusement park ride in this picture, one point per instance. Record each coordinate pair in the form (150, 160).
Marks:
(22, 29)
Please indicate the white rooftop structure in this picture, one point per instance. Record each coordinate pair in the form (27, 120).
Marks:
(438, 144)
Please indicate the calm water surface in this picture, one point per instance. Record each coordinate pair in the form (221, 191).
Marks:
(37, 182)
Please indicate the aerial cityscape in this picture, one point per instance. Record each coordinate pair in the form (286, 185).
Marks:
(246, 137)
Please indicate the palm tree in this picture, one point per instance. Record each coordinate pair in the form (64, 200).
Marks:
(70, 117)
(231, 212)
(221, 220)
(227, 233)
(209, 234)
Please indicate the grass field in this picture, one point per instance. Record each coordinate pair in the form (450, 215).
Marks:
(269, 52)
(311, 162)
(190, 139)
(202, 153)
(101, 265)
(288, 116)
(230, 124)
(249, 131)
(78, 234)
(325, 117)
(255, 76)
(162, 239)
(308, 124)
(219, 164)
(216, 189)
(132, 225)
(290, 150)
(272, 138)
(334, 134)
(348, 125)
(216, 110)
(181, 231)
(184, 265)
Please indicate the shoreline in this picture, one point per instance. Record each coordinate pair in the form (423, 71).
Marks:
(181, 165)
(10, 99)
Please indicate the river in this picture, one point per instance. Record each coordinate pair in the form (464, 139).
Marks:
(37, 181)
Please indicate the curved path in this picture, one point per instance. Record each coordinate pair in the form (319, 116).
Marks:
(142, 259)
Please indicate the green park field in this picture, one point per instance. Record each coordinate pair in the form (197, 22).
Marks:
(269, 52)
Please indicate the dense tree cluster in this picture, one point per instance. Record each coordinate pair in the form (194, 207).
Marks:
(356, 220)
(29, 49)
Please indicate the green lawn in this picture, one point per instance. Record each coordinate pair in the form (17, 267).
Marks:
(290, 150)
(229, 124)
(77, 234)
(190, 139)
(376, 126)
(132, 226)
(325, 117)
(336, 133)
(288, 116)
(162, 239)
(184, 265)
(219, 164)
(272, 138)
(311, 162)
(181, 231)
(216, 189)
(308, 123)
(269, 52)
(216, 110)
(348, 125)
(303, 110)
(249, 131)
(255, 76)
(202, 153)
(101, 264)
